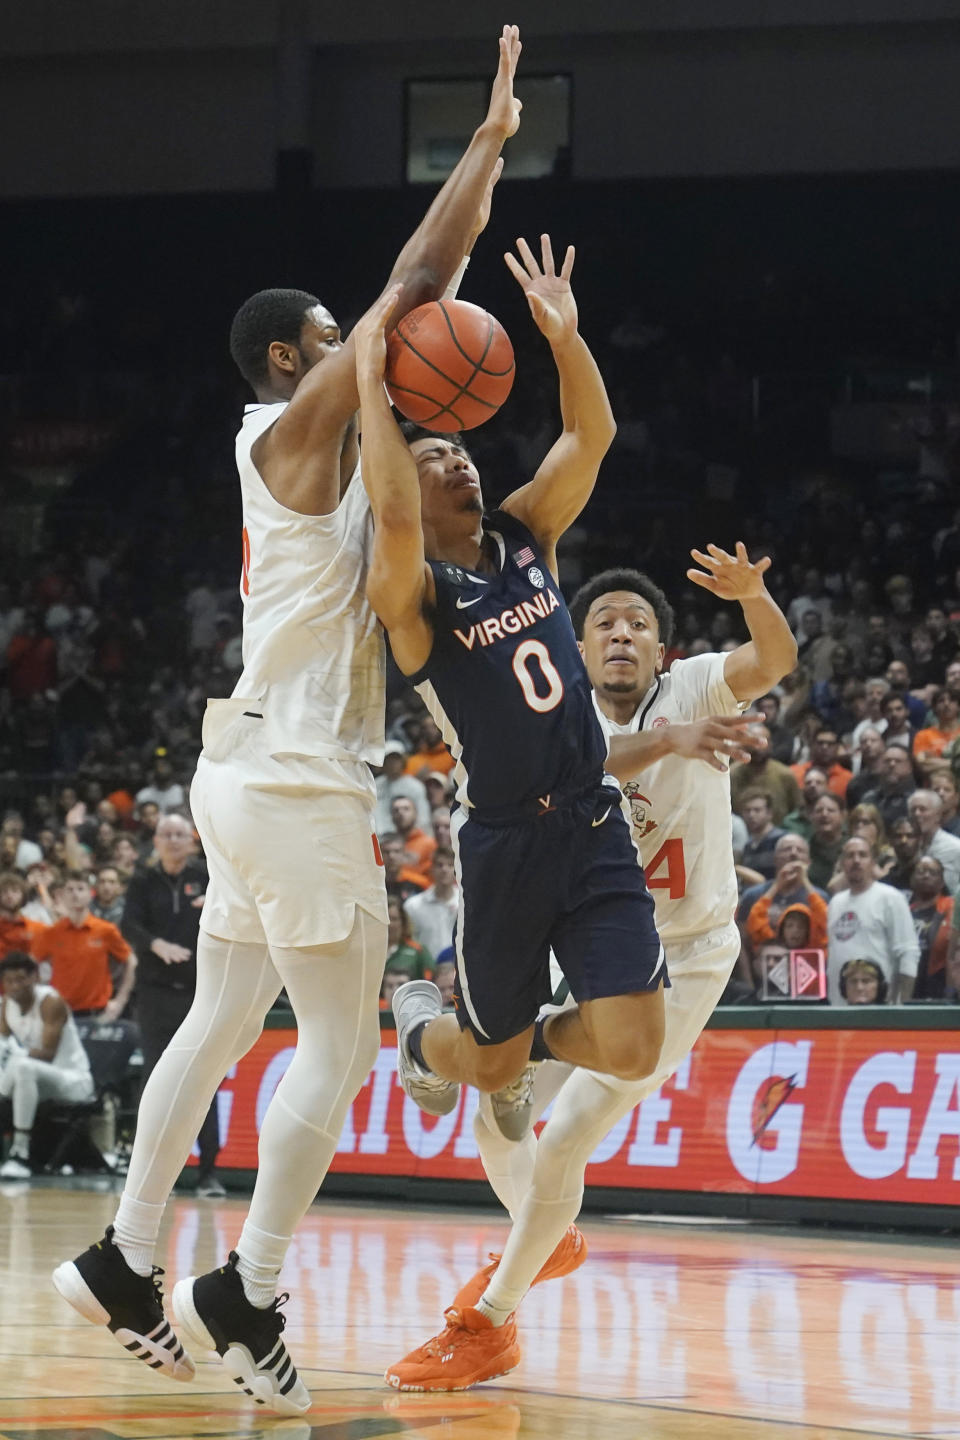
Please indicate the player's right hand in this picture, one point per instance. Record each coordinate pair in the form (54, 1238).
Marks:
(718, 739)
(503, 112)
(369, 336)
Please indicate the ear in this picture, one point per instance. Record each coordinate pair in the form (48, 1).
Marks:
(283, 356)
(580, 648)
(658, 664)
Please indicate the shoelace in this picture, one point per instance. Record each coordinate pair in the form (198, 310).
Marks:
(519, 1092)
(447, 1338)
(156, 1280)
(275, 1309)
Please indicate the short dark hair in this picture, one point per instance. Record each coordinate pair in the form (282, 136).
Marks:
(632, 580)
(18, 960)
(443, 852)
(411, 431)
(267, 316)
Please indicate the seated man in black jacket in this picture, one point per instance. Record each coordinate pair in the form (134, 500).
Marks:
(161, 920)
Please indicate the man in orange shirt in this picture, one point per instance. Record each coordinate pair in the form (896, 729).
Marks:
(419, 846)
(78, 950)
(431, 753)
(930, 743)
(823, 754)
(16, 931)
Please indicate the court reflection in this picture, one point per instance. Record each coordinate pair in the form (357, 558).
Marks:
(666, 1331)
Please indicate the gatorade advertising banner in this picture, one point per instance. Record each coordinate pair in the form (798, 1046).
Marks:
(855, 1115)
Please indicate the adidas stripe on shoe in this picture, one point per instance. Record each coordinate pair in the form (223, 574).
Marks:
(102, 1288)
(468, 1351)
(213, 1313)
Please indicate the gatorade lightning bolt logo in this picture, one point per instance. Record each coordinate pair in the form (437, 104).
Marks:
(771, 1095)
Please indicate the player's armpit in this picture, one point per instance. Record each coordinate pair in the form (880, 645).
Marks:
(403, 603)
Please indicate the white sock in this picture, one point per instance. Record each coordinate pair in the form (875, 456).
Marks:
(20, 1145)
(494, 1313)
(135, 1232)
(259, 1259)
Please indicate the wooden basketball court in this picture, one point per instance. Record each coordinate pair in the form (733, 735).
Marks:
(670, 1330)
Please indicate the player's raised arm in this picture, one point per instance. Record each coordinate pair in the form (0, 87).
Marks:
(771, 651)
(325, 397)
(564, 482)
(399, 582)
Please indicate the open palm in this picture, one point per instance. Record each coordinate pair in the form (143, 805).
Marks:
(549, 295)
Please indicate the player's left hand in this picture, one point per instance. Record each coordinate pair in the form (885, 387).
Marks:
(548, 294)
(730, 577)
(369, 336)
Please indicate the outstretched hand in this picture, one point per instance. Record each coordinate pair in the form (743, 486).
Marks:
(730, 577)
(717, 739)
(369, 336)
(504, 109)
(548, 294)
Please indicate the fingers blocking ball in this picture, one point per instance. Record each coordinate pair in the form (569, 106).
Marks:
(449, 365)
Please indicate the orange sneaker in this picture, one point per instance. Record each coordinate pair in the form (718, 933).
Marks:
(467, 1351)
(567, 1257)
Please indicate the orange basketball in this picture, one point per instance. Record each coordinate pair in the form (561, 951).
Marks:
(449, 365)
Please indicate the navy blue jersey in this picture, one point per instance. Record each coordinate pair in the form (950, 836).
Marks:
(505, 681)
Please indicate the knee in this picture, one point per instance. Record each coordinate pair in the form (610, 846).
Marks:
(492, 1071)
(244, 1039)
(631, 1057)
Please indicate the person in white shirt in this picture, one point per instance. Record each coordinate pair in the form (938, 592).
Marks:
(672, 736)
(392, 781)
(44, 1058)
(433, 913)
(870, 921)
(925, 809)
(28, 852)
(283, 800)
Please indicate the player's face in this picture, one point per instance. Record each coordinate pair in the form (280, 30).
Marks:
(449, 483)
(319, 337)
(621, 644)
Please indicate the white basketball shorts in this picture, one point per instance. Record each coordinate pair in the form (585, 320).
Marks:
(289, 839)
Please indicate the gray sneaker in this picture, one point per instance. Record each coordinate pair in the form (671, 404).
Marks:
(513, 1105)
(412, 1003)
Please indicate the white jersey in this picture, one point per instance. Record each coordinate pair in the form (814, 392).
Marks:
(313, 650)
(26, 1026)
(681, 808)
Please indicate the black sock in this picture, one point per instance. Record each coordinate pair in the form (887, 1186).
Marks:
(414, 1044)
(539, 1049)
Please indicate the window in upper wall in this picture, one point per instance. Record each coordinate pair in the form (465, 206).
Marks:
(441, 115)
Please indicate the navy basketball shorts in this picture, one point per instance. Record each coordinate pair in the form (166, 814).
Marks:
(568, 879)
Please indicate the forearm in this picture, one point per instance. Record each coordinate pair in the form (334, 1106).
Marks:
(584, 404)
(629, 754)
(905, 987)
(769, 654)
(125, 988)
(447, 232)
(388, 471)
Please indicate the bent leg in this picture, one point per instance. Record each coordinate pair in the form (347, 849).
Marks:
(620, 1035)
(454, 1054)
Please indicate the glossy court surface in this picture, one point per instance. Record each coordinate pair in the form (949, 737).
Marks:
(669, 1330)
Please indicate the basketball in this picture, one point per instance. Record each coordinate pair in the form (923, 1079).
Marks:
(449, 365)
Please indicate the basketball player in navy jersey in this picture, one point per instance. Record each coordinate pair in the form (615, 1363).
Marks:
(543, 848)
(284, 802)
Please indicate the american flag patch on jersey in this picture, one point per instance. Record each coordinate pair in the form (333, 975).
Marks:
(524, 557)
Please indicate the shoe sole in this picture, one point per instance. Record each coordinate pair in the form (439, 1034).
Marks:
(467, 1383)
(236, 1360)
(70, 1284)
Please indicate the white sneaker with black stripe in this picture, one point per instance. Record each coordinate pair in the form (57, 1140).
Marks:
(101, 1286)
(213, 1313)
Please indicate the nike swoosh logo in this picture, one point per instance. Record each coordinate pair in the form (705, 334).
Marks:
(465, 604)
(595, 823)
